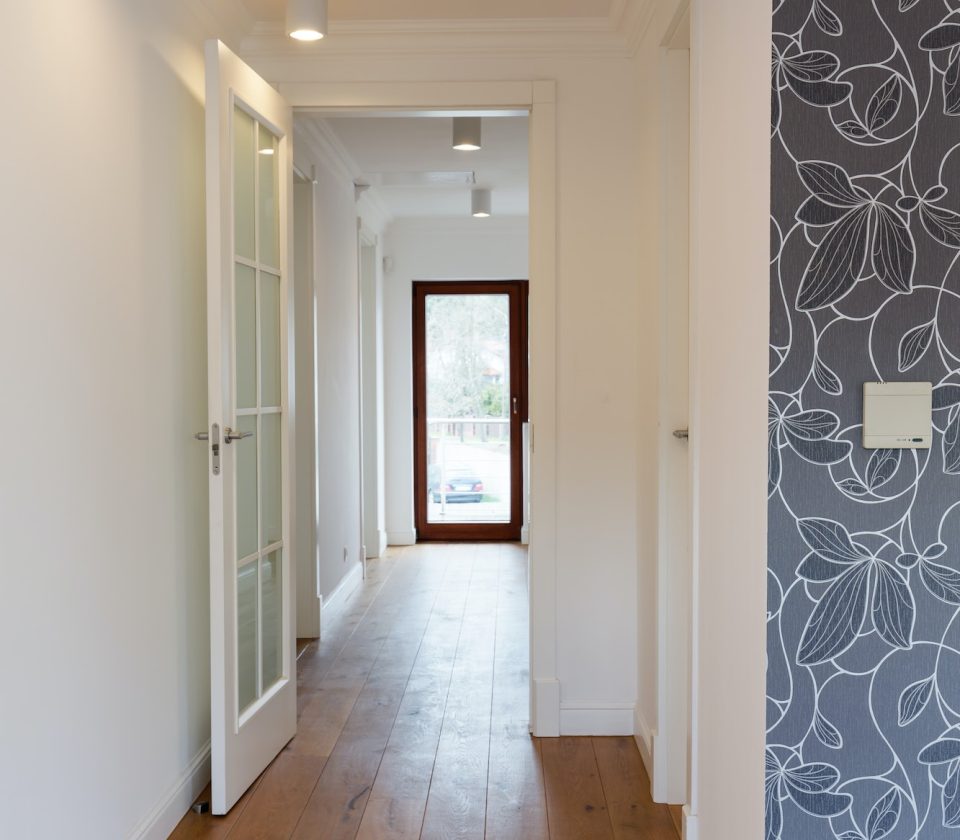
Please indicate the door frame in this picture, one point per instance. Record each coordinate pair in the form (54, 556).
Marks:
(538, 99)
(518, 291)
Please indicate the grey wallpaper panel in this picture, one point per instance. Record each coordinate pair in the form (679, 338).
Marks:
(863, 671)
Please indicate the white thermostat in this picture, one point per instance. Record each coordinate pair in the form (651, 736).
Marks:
(897, 415)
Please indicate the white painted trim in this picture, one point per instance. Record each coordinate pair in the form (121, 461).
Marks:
(617, 34)
(691, 829)
(644, 736)
(613, 719)
(163, 819)
(335, 600)
(540, 98)
(401, 537)
(317, 136)
(377, 550)
(495, 226)
(545, 708)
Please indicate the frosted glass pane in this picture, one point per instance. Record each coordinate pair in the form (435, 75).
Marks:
(247, 635)
(244, 201)
(246, 453)
(269, 339)
(271, 493)
(271, 602)
(269, 199)
(468, 408)
(245, 336)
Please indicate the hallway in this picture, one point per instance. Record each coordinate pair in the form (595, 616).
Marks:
(413, 723)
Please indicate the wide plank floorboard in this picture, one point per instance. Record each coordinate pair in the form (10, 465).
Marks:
(412, 723)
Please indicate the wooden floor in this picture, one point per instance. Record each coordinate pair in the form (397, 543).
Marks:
(413, 723)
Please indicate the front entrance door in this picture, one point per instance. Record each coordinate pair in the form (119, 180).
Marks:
(470, 401)
(249, 188)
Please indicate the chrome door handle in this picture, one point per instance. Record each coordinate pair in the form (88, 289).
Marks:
(229, 435)
(682, 434)
(202, 436)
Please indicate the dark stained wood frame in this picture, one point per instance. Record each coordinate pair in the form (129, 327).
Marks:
(472, 531)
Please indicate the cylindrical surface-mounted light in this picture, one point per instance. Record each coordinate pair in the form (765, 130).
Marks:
(307, 19)
(480, 203)
(466, 133)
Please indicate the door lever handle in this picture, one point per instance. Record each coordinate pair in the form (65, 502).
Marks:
(202, 436)
(682, 434)
(229, 435)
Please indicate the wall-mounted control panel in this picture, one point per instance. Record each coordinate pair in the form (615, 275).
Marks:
(897, 415)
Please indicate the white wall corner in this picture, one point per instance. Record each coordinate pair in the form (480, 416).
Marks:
(546, 708)
(644, 736)
(691, 830)
(401, 537)
(163, 819)
(525, 535)
(613, 719)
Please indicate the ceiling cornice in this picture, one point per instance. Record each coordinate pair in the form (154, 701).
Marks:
(617, 35)
(321, 143)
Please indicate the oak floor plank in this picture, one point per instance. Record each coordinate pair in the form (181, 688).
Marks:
(676, 814)
(576, 807)
(195, 826)
(412, 723)
(279, 799)
(626, 788)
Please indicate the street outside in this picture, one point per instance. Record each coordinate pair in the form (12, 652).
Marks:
(488, 462)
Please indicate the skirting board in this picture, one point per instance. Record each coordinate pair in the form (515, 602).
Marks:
(525, 535)
(596, 720)
(351, 580)
(163, 819)
(546, 708)
(691, 830)
(644, 735)
(401, 537)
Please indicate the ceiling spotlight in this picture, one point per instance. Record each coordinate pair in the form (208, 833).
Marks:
(466, 133)
(307, 19)
(480, 203)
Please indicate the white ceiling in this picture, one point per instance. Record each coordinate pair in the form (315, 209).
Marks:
(422, 144)
(267, 10)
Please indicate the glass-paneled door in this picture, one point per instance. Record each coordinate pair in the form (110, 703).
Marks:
(249, 183)
(470, 401)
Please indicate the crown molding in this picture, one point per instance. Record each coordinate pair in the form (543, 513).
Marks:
(616, 35)
(321, 143)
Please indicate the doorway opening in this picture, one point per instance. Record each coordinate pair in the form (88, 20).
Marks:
(470, 401)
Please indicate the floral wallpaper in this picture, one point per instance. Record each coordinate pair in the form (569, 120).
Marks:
(863, 666)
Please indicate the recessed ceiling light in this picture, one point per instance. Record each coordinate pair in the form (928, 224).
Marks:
(306, 19)
(466, 134)
(480, 203)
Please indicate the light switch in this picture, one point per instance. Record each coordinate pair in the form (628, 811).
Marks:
(897, 415)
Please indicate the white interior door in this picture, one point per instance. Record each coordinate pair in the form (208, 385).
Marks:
(249, 189)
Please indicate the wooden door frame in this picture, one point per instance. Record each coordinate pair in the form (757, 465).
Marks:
(470, 531)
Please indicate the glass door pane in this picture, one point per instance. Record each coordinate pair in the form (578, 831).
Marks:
(468, 408)
(258, 411)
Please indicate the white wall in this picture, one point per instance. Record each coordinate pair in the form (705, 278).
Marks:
(606, 347)
(371, 332)
(425, 249)
(336, 294)
(103, 495)
(305, 515)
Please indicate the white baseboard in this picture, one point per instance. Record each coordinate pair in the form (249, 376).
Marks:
(546, 708)
(644, 736)
(691, 830)
(351, 580)
(401, 537)
(525, 535)
(377, 546)
(614, 719)
(163, 819)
